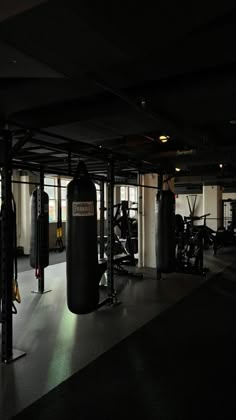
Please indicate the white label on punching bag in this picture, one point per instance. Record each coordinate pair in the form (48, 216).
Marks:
(82, 208)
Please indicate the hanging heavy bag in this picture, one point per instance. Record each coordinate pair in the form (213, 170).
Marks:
(83, 274)
(39, 240)
(165, 232)
(59, 242)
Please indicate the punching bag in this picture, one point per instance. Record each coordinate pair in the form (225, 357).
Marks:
(165, 232)
(82, 252)
(39, 240)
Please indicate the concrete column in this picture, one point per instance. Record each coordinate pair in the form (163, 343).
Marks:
(148, 220)
(25, 215)
(17, 197)
(212, 203)
(140, 221)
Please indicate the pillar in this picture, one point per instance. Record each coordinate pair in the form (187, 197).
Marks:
(147, 221)
(25, 215)
(140, 182)
(212, 203)
(16, 190)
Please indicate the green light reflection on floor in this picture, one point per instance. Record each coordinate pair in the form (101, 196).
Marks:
(60, 365)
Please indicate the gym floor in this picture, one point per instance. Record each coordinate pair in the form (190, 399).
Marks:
(59, 344)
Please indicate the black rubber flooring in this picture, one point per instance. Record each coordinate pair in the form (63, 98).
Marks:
(181, 365)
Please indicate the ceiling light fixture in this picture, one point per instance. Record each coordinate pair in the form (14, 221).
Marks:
(177, 169)
(221, 165)
(164, 139)
(233, 122)
(143, 104)
(13, 61)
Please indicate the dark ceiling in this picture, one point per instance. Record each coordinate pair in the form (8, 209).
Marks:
(98, 80)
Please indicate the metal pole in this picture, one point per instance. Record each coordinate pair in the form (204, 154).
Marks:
(7, 255)
(40, 211)
(102, 207)
(110, 239)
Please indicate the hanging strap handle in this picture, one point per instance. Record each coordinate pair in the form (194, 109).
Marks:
(81, 170)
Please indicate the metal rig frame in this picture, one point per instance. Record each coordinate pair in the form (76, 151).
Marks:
(8, 354)
(12, 155)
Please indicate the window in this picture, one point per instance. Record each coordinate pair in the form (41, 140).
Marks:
(64, 183)
(133, 201)
(123, 193)
(50, 189)
(129, 194)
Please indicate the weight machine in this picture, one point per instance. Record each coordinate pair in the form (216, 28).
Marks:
(190, 243)
(192, 240)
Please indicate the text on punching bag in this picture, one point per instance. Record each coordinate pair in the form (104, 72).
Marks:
(82, 208)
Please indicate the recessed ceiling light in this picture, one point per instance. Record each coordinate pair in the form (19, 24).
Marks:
(164, 139)
(221, 165)
(233, 122)
(143, 104)
(177, 169)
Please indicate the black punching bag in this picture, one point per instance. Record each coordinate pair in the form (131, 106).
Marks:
(165, 232)
(39, 240)
(81, 251)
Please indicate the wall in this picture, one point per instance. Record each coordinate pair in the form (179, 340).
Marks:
(226, 196)
(182, 207)
(182, 204)
(212, 203)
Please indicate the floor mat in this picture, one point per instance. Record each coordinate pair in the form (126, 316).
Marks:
(179, 366)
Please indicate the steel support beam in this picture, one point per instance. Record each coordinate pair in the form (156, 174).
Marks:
(102, 220)
(110, 227)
